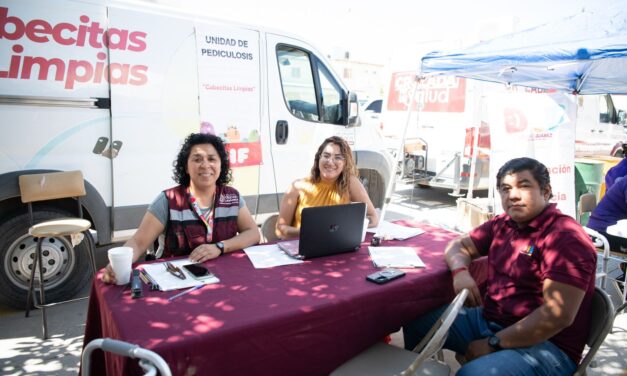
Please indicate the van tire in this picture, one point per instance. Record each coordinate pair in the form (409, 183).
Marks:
(373, 182)
(70, 267)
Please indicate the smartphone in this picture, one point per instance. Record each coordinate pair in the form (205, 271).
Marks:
(385, 276)
(100, 145)
(198, 271)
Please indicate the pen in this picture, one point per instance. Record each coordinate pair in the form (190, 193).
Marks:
(153, 284)
(185, 292)
(143, 278)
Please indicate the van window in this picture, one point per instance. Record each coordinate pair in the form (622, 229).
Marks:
(331, 97)
(309, 96)
(298, 83)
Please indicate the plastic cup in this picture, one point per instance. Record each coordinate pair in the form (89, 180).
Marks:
(121, 260)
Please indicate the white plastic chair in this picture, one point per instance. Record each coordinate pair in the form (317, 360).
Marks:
(383, 359)
(601, 242)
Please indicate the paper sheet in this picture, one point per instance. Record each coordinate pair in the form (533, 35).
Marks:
(391, 230)
(268, 256)
(167, 281)
(395, 257)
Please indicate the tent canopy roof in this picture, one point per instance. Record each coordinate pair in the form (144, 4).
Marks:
(585, 53)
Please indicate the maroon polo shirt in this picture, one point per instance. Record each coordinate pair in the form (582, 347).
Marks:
(552, 246)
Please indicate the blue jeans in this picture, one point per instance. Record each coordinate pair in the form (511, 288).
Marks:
(542, 359)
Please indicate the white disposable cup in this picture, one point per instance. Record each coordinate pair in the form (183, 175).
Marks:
(363, 234)
(121, 260)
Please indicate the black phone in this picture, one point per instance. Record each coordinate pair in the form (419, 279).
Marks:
(100, 145)
(198, 271)
(385, 276)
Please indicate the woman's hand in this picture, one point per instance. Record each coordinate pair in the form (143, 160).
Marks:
(204, 252)
(109, 276)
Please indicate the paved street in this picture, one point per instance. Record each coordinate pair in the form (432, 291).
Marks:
(22, 352)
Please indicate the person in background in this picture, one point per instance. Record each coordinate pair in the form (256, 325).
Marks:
(534, 316)
(333, 181)
(202, 216)
(611, 209)
(617, 171)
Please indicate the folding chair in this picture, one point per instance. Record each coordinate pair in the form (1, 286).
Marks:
(602, 319)
(150, 361)
(587, 203)
(268, 229)
(45, 187)
(383, 359)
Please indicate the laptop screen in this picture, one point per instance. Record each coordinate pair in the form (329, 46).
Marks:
(328, 230)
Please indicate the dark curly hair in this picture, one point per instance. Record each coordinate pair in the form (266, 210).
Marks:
(180, 174)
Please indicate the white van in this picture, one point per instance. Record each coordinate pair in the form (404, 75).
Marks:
(113, 89)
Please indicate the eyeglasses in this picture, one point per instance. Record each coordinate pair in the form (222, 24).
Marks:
(174, 270)
(335, 158)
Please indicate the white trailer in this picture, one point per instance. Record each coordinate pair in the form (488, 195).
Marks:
(448, 143)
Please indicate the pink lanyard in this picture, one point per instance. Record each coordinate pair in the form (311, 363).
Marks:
(206, 217)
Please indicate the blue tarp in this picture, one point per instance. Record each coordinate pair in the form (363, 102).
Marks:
(585, 53)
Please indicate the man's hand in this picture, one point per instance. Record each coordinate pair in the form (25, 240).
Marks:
(463, 280)
(478, 348)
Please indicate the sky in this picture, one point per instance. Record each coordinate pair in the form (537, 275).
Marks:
(390, 32)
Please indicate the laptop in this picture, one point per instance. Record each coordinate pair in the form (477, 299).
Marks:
(327, 230)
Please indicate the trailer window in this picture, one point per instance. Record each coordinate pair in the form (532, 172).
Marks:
(298, 82)
(604, 110)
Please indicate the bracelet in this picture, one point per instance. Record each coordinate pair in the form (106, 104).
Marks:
(456, 271)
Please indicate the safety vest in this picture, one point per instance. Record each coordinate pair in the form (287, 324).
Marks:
(185, 230)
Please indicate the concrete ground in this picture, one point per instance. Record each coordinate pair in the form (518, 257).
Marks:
(23, 352)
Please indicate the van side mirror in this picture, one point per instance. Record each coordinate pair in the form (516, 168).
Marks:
(622, 117)
(352, 110)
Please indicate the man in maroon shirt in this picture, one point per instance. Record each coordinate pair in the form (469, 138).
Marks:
(534, 317)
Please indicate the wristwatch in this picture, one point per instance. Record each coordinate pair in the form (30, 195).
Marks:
(495, 343)
(220, 246)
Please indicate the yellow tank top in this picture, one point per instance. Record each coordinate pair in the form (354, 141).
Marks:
(317, 194)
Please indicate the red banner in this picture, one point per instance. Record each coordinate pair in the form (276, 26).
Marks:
(244, 153)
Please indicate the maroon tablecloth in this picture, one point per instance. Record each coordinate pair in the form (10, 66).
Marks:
(303, 319)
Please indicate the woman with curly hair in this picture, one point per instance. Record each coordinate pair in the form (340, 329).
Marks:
(333, 181)
(201, 217)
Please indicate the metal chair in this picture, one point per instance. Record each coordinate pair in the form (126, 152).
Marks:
(383, 359)
(45, 187)
(150, 361)
(587, 203)
(268, 229)
(602, 319)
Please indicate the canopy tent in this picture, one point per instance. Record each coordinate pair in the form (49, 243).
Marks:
(584, 54)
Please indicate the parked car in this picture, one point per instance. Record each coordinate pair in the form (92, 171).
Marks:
(370, 113)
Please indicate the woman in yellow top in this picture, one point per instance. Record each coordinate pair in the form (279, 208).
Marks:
(333, 181)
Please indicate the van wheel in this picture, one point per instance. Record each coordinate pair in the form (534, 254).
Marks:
(66, 269)
(373, 182)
